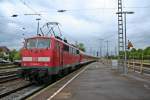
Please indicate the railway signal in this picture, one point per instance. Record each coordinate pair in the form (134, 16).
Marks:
(130, 45)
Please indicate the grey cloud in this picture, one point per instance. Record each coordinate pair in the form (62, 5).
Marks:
(105, 22)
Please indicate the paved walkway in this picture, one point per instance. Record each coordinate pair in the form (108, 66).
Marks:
(99, 82)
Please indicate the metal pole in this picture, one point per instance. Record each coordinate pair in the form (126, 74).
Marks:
(107, 51)
(38, 25)
(101, 44)
(125, 63)
(38, 28)
(142, 63)
(91, 50)
(101, 50)
(115, 51)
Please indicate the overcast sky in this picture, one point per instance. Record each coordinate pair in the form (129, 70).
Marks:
(86, 21)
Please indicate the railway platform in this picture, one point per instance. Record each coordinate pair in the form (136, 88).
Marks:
(97, 82)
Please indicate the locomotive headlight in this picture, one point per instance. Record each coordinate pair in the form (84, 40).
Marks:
(43, 59)
(26, 58)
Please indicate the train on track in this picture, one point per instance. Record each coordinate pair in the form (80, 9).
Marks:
(46, 56)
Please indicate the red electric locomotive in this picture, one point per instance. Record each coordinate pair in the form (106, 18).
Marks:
(46, 56)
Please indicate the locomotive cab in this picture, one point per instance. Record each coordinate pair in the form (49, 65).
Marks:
(37, 52)
(37, 56)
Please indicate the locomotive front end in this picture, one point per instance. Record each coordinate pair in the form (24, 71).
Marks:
(37, 58)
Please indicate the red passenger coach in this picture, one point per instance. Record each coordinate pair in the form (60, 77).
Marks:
(44, 56)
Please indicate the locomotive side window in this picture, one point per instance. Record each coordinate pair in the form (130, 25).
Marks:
(77, 51)
(71, 50)
(66, 48)
(57, 45)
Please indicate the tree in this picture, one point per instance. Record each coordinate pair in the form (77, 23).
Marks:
(139, 53)
(147, 53)
(17, 56)
(14, 55)
(133, 50)
(1, 55)
(80, 46)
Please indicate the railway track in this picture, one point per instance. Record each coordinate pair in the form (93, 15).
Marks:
(26, 91)
(6, 73)
(12, 87)
(23, 91)
(14, 90)
(8, 78)
(5, 64)
(8, 67)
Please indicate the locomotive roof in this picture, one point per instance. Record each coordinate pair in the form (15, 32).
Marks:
(71, 45)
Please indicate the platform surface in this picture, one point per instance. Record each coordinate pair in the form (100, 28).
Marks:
(100, 82)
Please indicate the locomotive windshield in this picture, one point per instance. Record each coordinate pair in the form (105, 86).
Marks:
(38, 43)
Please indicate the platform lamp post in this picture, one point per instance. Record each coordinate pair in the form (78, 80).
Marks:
(125, 39)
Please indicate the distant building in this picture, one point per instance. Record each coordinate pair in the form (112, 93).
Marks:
(4, 51)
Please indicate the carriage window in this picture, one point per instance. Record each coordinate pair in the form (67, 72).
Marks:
(70, 50)
(73, 51)
(77, 51)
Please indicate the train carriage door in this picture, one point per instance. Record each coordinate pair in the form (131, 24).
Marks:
(60, 55)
